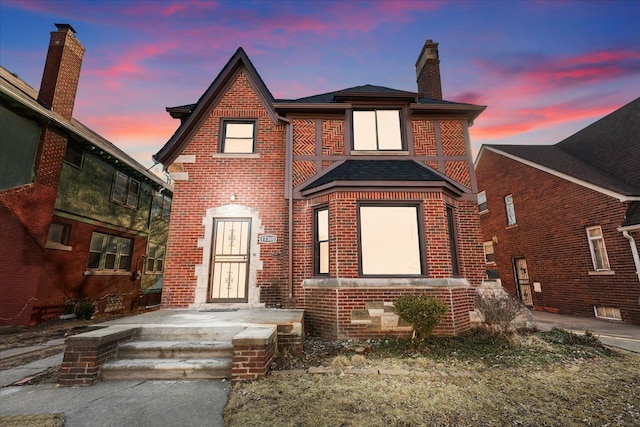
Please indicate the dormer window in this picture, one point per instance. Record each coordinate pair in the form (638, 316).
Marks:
(377, 130)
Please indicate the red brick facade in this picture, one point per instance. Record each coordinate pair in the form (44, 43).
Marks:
(291, 150)
(552, 214)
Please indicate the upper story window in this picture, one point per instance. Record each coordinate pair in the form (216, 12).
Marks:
(59, 233)
(377, 130)
(482, 202)
(321, 241)
(109, 252)
(125, 191)
(598, 249)
(511, 210)
(238, 137)
(161, 207)
(74, 155)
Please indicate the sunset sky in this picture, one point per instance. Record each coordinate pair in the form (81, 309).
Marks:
(544, 69)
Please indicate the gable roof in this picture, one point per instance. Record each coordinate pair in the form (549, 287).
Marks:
(16, 92)
(383, 173)
(604, 156)
(197, 112)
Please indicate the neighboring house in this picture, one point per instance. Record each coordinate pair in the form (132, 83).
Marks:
(337, 203)
(561, 223)
(77, 214)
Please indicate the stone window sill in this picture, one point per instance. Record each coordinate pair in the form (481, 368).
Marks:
(107, 273)
(602, 273)
(236, 155)
(58, 246)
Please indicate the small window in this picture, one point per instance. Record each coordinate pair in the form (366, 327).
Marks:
(59, 233)
(482, 202)
(377, 130)
(489, 255)
(511, 210)
(161, 207)
(155, 258)
(321, 239)
(109, 252)
(125, 191)
(390, 240)
(239, 137)
(597, 249)
(74, 155)
(612, 313)
(453, 242)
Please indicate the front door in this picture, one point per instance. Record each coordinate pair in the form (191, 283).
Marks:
(522, 281)
(230, 260)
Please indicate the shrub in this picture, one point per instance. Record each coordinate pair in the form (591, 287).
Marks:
(85, 310)
(497, 310)
(422, 312)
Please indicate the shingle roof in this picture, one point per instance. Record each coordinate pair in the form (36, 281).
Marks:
(612, 143)
(605, 153)
(16, 90)
(378, 170)
(632, 216)
(553, 157)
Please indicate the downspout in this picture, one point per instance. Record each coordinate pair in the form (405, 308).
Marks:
(634, 251)
(289, 194)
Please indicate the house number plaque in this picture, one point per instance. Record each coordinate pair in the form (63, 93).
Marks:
(268, 238)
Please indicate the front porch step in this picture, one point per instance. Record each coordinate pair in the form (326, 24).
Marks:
(166, 369)
(174, 349)
(191, 333)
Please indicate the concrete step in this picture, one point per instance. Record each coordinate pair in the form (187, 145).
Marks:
(166, 369)
(188, 333)
(175, 349)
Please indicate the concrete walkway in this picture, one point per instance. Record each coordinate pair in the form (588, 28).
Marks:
(194, 403)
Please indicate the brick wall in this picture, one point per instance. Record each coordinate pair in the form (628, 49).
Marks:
(552, 215)
(211, 182)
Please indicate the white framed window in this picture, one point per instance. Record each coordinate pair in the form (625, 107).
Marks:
(238, 137)
(155, 258)
(597, 248)
(511, 210)
(108, 252)
(612, 313)
(125, 191)
(321, 241)
(482, 202)
(377, 130)
(489, 254)
(390, 242)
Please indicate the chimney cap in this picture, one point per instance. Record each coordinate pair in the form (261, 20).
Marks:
(62, 27)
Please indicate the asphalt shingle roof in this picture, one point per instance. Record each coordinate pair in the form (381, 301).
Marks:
(377, 170)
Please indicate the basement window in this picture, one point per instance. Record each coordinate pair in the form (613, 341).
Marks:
(611, 313)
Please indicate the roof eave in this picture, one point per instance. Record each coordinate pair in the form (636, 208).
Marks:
(381, 185)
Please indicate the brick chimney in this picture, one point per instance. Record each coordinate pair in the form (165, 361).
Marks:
(61, 71)
(428, 71)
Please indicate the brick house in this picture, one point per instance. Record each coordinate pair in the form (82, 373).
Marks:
(561, 223)
(337, 203)
(77, 214)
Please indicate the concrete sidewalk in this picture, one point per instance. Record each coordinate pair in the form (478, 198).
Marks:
(123, 403)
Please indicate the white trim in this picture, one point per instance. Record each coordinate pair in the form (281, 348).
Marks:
(620, 197)
(185, 158)
(179, 176)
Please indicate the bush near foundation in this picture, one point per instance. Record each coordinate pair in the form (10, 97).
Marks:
(422, 312)
(498, 310)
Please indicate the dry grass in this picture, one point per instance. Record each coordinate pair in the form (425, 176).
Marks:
(536, 379)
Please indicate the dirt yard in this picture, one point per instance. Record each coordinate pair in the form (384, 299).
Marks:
(535, 379)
